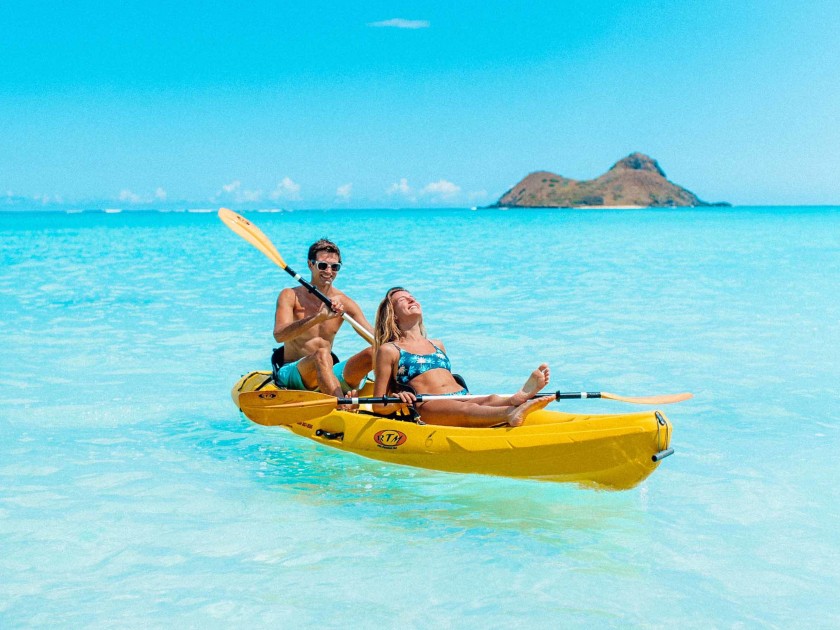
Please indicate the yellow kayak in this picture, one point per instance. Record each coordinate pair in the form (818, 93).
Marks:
(615, 451)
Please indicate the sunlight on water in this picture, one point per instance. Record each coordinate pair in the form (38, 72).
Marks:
(132, 492)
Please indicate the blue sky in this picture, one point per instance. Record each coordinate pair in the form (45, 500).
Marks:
(399, 104)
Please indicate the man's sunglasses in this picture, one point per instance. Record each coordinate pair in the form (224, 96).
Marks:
(322, 266)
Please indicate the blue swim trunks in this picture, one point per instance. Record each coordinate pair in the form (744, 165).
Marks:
(288, 376)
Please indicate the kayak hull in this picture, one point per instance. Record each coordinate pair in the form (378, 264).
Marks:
(615, 451)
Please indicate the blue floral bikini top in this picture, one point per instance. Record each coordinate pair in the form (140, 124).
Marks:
(412, 365)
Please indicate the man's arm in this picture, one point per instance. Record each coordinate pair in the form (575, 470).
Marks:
(286, 326)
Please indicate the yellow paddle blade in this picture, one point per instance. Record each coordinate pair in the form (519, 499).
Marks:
(252, 234)
(273, 407)
(665, 399)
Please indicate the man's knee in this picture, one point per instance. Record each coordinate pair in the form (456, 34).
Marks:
(366, 355)
(323, 358)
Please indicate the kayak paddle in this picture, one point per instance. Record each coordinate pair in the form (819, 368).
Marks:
(305, 405)
(255, 236)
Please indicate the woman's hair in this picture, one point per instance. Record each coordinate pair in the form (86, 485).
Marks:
(385, 327)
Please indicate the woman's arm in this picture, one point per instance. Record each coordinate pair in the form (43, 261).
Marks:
(383, 370)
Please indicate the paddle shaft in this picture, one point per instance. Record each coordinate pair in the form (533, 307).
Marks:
(656, 400)
(372, 400)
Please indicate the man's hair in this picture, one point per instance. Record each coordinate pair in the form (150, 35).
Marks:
(323, 245)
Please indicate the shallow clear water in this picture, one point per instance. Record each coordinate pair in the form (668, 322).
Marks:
(132, 492)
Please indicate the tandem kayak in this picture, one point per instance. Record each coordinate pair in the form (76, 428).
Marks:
(614, 451)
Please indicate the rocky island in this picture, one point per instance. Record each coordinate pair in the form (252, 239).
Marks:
(635, 181)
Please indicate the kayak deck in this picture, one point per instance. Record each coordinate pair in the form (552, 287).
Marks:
(615, 451)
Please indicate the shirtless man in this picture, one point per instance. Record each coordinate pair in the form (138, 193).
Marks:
(306, 327)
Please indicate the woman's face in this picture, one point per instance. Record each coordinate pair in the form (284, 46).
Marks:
(405, 306)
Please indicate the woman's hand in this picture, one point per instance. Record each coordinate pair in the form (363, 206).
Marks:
(407, 398)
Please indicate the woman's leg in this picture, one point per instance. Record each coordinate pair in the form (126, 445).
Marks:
(536, 381)
(467, 413)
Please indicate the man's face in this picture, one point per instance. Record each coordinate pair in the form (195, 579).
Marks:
(330, 264)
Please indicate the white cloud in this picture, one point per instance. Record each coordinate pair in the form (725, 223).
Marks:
(233, 192)
(343, 192)
(130, 197)
(11, 199)
(45, 199)
(441, 190)
(401, 188)
(401, 23)
(286, 189)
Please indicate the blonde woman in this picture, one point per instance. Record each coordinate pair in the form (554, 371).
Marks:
(404, 356)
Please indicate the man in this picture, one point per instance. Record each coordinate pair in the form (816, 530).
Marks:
(307, 327)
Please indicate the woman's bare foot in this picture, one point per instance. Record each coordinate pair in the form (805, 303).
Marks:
(518, 415)
(538, 379)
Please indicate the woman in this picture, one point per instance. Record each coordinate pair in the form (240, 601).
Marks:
(405, 356)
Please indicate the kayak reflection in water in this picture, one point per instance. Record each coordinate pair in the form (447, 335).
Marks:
(406, 357)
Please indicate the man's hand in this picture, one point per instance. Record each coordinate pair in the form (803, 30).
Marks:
(331, 312)
(351, 394)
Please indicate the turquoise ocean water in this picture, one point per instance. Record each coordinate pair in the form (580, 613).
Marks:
(132, 492)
